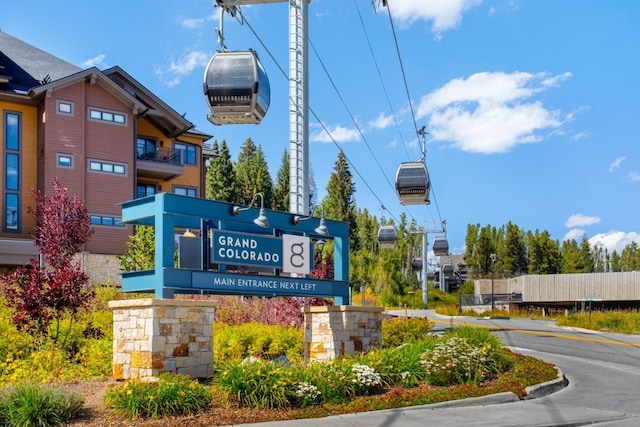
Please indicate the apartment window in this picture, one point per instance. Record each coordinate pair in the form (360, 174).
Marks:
(12, 216)
(109, 221)
(64, 107)
(146, 148)
(186, 191)
(107, 116)
(188, 153)
(12, 131)
(107, 167)
(64, 160)
(11, 172)
(144, 190)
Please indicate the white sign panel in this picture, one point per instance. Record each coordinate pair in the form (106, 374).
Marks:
(296, 254)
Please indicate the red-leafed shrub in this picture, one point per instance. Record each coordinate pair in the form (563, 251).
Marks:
(40, 294)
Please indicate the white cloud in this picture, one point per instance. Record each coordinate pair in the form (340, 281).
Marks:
(172, 74)
(381, 122)
(444, 15)
(580, 135)
(574, 234)
(580, 220)
(633, 176)
(192, 23)
(338, 133)
(616, 163)
(96, 61)
(490, 112)
(615, 240)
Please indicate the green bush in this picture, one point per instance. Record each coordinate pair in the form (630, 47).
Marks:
(30, 405)
(257, 339)
(400, 331)
(455, 361)
(400, 365)
(497, 358)
(169, 395)
(256, 384)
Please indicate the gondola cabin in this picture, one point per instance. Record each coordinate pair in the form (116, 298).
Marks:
(387, 236)
(440, 246)
(447, 270)
(237, 88)
(412, 183)
(416, 264)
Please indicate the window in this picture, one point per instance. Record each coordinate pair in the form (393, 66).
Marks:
(146, 148)
(12, 131)
(109, 221)
(188, 153)
(98, 166)
(11, 171)
(13, 212)
(144, 190)
(107, 116)
(64, 107)
(64, 160)
(186, 191)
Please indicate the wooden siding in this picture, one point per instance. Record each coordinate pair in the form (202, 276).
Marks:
(87, 140)
(575, 287)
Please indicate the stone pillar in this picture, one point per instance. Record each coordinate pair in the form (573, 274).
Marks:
(151, 336)
(336, 331)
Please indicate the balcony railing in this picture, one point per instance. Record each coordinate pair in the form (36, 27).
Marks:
(162, 155)
(161, 163)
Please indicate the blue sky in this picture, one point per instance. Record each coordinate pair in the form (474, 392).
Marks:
(531, 105)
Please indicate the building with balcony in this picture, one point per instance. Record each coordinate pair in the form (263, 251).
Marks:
(103, 135)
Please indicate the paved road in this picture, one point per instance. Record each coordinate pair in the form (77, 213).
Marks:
(603, 372)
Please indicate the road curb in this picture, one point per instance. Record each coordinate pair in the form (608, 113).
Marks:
(546, 388)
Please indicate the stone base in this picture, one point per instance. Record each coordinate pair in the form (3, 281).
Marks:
(337, 331)
(151, 336)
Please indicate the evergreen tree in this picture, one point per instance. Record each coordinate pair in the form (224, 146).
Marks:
(470, 256)
(630, 257)
(570, 257)
(252, 173)
(484, 249)
(514, 262)
(281, 189)
(544, 254)
(615, 262)
(339, 203)
(221, 176)
(586, 256)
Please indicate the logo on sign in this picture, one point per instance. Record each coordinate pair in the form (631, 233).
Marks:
(296, 254)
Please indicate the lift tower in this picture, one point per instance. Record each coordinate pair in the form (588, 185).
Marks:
(298, 99)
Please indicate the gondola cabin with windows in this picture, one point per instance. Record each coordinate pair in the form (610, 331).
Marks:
(387, 236)
(440, 246)
(412, 183)
(237, 88)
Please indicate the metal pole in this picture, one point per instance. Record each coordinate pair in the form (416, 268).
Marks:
(425, 298)
(298, 108)
(493, 260)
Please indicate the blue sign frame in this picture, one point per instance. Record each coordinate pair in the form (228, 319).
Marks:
(170, 212)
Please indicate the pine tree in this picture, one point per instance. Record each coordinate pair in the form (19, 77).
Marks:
(252, 173)
(221, 183)
(281, 189)
(339, 203)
